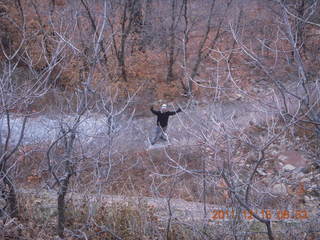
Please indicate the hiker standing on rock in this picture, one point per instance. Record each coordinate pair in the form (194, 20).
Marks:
(162, 121)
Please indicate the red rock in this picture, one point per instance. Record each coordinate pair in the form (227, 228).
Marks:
(293, 158)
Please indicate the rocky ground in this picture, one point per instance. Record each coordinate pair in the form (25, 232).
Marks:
(290, 173)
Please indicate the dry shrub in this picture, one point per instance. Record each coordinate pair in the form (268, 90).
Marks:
(98, 218)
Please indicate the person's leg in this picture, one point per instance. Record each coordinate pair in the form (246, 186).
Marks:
(163, 134)
(157, 135)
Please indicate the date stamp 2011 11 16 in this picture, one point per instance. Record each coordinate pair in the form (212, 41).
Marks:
(271, 214)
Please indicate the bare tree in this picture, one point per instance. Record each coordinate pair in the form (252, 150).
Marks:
(297, 105)
(17, 95)
(68, 150)
(240, 144)
(95, 29)
(62, 167)
(172, 37)
(208, 41)
(130, 17)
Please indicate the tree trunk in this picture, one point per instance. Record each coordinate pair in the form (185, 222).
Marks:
(200, 51)
(64, 183)
(122, 66)
(61, 205)
(125, 30)
(171, 43)
(94, 27)
(137, 25)
(147, 27)
(12, 200)
(11, 197)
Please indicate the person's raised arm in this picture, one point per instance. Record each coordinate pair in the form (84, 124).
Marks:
(154, 111)
(174, 112)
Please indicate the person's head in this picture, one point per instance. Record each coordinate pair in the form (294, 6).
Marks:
(163, 107)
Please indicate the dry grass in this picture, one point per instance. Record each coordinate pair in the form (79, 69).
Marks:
(95, 219)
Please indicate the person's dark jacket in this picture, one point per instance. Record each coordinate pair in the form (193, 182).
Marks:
(163, 117)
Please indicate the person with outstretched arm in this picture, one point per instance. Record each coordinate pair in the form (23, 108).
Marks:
(162, 122)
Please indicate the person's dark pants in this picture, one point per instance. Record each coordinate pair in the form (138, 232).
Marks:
(160, 133)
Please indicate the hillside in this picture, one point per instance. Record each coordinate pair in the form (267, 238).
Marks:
(78, 78)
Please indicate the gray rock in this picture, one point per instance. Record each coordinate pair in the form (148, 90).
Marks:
(288, 167)
(300, 175)
(307, 169)
(282, 157)
(279, 189)
(262, 172)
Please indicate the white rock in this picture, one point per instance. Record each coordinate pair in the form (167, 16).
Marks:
(305, 179)
(300, 175)
(283, 157)
(288, 167)
(262, 172)
(279, 188)
(308, 198)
